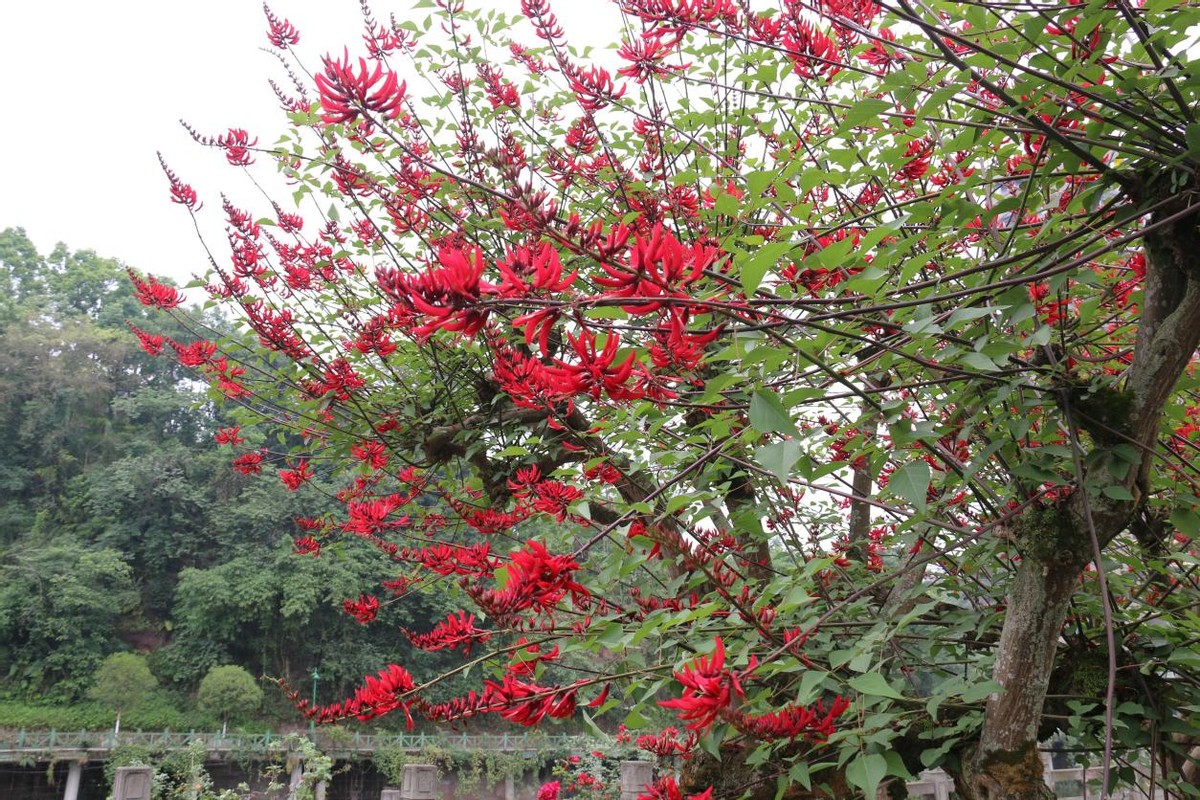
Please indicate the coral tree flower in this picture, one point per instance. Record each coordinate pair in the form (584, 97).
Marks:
(708, 689)
(150, 292)
(346, 92)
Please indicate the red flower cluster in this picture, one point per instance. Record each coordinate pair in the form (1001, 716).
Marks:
(536, 580)
(229, 436)
(306, 546)
(381, 695)
(667, 789)
(646, 55)
(452, 633)
(181, 192)
(373, 454)
(280, 32)
(347, 93)
(526, 703)
(660, 267)
(249, 463)
(447, 295)
(813, 723)
(150, 292)
(152, 343)
(364, 609)
(708, 690)
(444, 559)
(293, 479)
(668, 743)
(237, 144)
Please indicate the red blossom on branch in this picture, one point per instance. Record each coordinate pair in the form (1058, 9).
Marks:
(150, 292)
(181, 193)
(667, 789)
(526, 703)
(229, 436)
(249, 463)
(237, 143)
(708, 690)
(381, 694)
(347, 93)
(152, 343)
(364, 609)
(280, 32)
(452, 633)
(814, 723)
(593, 372)
(296, 477)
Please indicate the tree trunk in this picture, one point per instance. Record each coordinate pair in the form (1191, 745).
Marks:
(1057, 542)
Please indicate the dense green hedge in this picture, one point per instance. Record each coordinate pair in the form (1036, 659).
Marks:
(157, 713)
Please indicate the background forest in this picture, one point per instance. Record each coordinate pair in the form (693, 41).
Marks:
(123, 528)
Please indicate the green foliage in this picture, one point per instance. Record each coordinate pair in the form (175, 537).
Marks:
(229, 692)
(122, 682)
(77, 716)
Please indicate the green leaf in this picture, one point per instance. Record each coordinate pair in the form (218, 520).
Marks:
(911, 482)
(863, 111)
(768, 415)
(779, 458)
(980, 691)
(867, 772)
(1192, 134)
(874, 685)
(1186, 520)
(758, 264)
(1117, 493)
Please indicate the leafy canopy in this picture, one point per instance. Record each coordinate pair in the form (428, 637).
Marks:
(807, 388)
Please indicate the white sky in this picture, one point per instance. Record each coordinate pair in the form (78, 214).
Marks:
(92, 89)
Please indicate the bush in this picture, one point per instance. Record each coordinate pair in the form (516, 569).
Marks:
(76, 717)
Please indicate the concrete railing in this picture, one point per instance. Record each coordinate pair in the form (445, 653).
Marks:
(18, 745)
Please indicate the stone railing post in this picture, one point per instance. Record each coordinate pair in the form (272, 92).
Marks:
(132, 783)
(420, 782)
(635, 777)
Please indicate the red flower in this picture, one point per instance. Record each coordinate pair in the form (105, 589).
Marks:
(347, 93)
(594, 372)
(815, 724)
(549, 791)
(553, 497)
(667, 789)
(536, 580)
(280, 32)
(380, 695)
(152, 343)
(646, 55)
(150, 292)
(229, 436)
(364, 609)
(307, 546)
(451, 633)
(237, 144)
(593, 87)
(195, 354)
(249, 463)
(181, 192)
(526, 703)
(294, 478)
(373, 454)
(708, 689)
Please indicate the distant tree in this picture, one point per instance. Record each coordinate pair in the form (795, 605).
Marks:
(229, 691)
(122, 682)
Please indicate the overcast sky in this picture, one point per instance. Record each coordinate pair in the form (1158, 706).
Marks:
(93, 89)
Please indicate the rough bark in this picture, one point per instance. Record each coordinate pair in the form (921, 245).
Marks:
(1057, 543)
